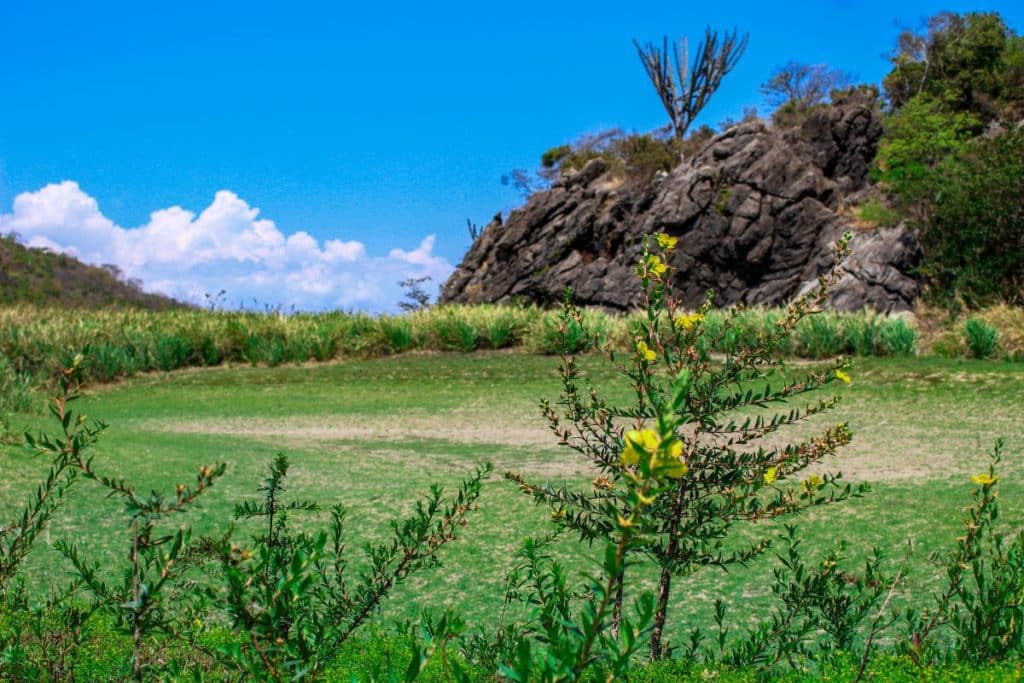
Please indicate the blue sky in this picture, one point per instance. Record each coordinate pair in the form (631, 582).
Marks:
(373, 125)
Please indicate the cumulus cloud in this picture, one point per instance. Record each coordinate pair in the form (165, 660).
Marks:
(227, 246)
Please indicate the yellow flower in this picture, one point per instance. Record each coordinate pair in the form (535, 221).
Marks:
(667, 242)
(646, 500)
(669, 462)
(645, 352)
(843, 377)
(674, 468)
(655, 265)
(771, 474)
(639, 443)
(813, 482)
(984, 479)
(625, 523)
(688, 321)
(664, 457)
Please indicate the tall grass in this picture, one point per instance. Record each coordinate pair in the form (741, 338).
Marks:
(120, 343)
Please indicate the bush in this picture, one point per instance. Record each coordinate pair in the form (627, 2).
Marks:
(898, 338)
(819, 336)
(286, 595)
(974, 237)
(982, 339)
(917, 138)
(637, 156)
(873, 213)
(454, 332)
(667, 489)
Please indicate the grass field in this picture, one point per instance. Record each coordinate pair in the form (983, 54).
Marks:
(374, 434)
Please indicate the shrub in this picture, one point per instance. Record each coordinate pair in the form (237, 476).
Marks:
(1009, 321)
(454, 332)
(675, 467)
(917, 138)
(982, 603)
(398, 332)
(874, 213)
(550, 335)
(982, 339)
(973, 238)
(638, 156)
(289, 596)
(899, 338)
(818, 336)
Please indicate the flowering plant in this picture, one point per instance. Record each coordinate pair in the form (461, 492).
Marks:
(690, 425)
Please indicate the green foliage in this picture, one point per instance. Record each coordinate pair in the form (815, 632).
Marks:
(982, 604)
(961, 191)
(15, 396)
(723, 476)
(567, 637)
(583, 333)
(71, 447)
(635, 156)
(960, 60)
(555, 155)
(917, 137)
(974, 235)
(646, 155)
(988, 607)
(831, 617)
(819, 609)
(875, 213)
(455, 333)
(118, 344)
(898, 338)
(290, 599)
(982, 338)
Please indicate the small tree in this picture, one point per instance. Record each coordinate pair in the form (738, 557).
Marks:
(803, 85)
(685, 89)
(414, 292)
(695, 411)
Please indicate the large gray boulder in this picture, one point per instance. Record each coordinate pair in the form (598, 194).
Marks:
(756, 213)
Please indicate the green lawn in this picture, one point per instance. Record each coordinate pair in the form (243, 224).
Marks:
(374, 434)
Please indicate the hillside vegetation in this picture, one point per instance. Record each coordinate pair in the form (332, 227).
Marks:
(42, 277)
(925, 167)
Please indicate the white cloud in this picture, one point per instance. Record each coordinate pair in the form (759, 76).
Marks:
(225, 247)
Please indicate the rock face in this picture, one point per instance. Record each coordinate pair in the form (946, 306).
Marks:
(756, 213)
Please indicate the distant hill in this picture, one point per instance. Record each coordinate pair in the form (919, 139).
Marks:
(42, 277)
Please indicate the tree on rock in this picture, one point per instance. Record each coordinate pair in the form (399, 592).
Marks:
(803, 85)
(684, 89)
(968, 62)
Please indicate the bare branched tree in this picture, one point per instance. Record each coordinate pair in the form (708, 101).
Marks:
(414, 292)
(803, 85)
(686, 88)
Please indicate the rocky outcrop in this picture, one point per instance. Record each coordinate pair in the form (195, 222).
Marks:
(756, 213)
